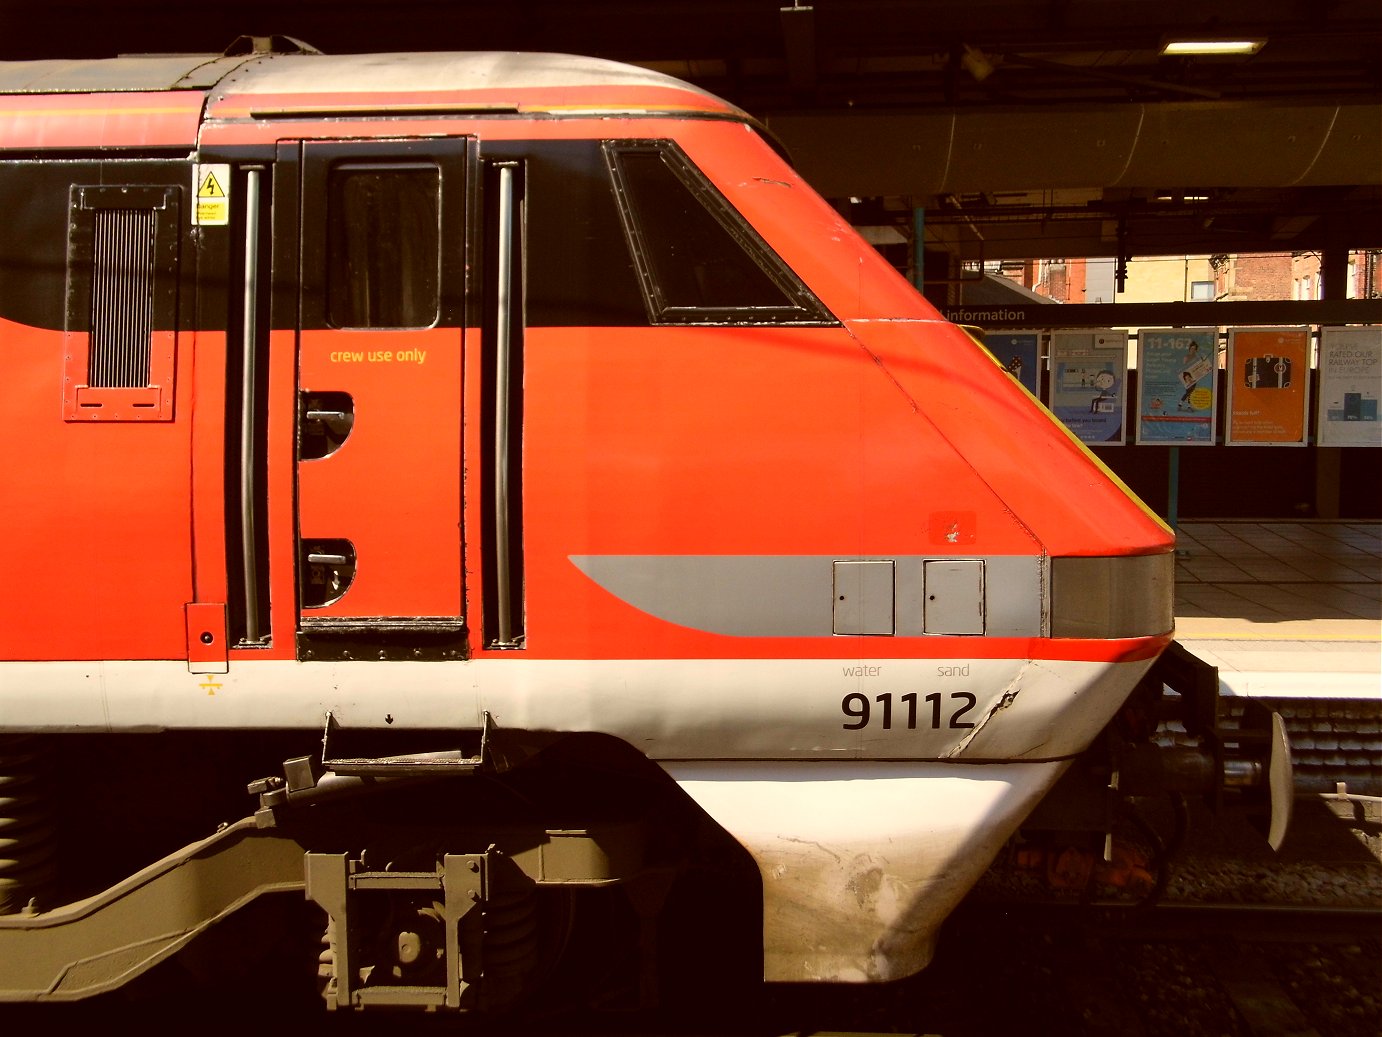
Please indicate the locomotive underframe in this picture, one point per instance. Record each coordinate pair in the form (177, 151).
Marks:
(430, 898)
(419, 927)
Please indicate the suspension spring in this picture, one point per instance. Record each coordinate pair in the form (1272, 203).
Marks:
(28, 844)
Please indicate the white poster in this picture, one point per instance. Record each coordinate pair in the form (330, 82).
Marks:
(1350, 376)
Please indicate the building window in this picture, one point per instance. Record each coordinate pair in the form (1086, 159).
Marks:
(1201, 291)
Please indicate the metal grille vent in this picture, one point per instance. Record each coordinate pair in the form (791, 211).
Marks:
(122, 298)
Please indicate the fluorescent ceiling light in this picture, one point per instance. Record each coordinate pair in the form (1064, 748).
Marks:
(1212, 46)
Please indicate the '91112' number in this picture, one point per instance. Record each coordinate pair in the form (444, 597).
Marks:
(859, 708)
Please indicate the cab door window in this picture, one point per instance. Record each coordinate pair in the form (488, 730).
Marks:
(383, 245)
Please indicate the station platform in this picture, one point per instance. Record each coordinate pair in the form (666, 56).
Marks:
(1283, 609)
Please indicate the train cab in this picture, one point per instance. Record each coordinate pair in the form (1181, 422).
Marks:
(521, 408)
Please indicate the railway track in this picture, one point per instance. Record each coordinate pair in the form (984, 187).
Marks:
(1283, 923)
(1241, 970)
(1188, 970)
(1288, 955)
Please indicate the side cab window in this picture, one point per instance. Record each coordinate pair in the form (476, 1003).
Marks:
(698, 260)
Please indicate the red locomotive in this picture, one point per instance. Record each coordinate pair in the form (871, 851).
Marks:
(517, 447)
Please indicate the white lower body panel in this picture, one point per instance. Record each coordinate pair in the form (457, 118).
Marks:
(862, 862)
(899, 709)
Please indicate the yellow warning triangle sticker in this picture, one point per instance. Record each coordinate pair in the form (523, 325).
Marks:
(211, 187)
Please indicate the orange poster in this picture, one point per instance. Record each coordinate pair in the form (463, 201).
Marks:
(1268, 385)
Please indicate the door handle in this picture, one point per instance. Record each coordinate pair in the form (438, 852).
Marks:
(326, 571)
(326, 421)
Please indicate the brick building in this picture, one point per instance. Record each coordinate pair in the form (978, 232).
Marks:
(1223, 277)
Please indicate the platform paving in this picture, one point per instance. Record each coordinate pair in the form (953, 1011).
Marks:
(1283, 609)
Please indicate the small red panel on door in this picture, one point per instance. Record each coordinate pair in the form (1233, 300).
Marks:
(206, 637)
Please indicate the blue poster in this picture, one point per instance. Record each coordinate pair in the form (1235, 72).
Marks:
(1020, 353)
(1177, 396)
(1089, 371)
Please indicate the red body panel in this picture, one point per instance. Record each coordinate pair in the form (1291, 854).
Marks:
(208, 416)
(95, 520)
(133, 120)
(715, 441)
(1052, 481)
(888, 435)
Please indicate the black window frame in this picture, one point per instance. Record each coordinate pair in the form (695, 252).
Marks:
(802, 307)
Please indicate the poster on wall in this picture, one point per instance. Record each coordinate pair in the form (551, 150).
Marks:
(1268, 382)
(1020, 353)
(1177, 385)
(1089, 371)
(1350, 377)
